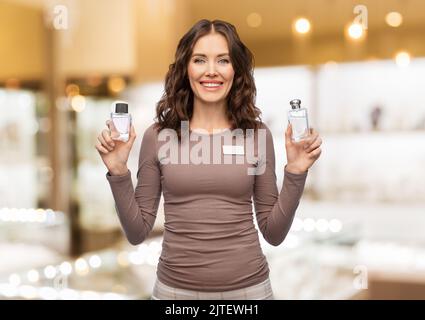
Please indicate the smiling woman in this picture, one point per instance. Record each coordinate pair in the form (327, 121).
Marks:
(212, 71)
(211, 248)
(210, 75)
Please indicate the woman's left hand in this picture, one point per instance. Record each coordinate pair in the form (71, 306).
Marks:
(301, 155)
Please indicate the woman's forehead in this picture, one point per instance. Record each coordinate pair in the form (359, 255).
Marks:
(211, 44)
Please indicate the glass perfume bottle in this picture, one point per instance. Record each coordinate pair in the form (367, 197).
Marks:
(298, 118)
(121, 121)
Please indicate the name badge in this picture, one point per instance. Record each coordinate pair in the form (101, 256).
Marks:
(233, 150)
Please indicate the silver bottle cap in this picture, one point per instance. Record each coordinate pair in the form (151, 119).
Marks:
(295, 104)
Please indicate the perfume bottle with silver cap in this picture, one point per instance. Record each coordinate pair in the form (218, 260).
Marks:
(298, 118)
(121, 121)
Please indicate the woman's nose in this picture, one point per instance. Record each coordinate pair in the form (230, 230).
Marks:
(211, 68)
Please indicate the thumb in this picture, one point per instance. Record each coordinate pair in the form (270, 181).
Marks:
(115, 134)
(288, 134)
(132, 135)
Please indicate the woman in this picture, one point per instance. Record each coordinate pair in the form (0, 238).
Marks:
(210, 248)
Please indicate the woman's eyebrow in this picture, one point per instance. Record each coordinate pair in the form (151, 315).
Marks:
(204, 55)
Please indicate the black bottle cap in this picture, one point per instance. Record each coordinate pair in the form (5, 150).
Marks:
(121, 107)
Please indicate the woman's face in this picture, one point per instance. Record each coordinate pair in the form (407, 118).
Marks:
(210, 70)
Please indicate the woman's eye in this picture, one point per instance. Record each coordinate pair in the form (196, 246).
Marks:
(198, 60)
(224, 60)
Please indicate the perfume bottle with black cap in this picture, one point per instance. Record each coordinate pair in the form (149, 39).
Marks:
(298, 118)
(121, 121)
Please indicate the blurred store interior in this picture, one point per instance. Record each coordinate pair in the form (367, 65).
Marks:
(359, 68)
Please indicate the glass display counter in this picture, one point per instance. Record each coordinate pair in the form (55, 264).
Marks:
(319, 259)
(115, 273)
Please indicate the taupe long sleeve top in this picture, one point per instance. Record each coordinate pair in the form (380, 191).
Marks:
(210, 242)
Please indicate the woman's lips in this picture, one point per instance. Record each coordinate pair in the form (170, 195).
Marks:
(211, 86)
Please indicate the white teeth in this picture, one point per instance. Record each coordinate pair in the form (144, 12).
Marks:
(207, 84)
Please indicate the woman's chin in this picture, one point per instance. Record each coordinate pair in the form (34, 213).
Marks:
(210, 99)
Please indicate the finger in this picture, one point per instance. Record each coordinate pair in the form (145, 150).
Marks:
(101, 149)
(106, 136)
(104, 143)
(315, 153)
(317, 143)
(110, 124)
(302, 143)
(311, 140)
(299, 144)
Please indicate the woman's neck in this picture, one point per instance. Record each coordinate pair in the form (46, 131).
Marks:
(209, 116)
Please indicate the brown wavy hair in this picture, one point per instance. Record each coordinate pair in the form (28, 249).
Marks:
(176, 103)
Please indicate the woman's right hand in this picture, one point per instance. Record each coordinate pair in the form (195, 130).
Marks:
(114, 153)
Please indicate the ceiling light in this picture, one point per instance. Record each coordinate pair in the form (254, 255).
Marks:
(254, 20)
(402, 59)
(355, 31)
(302, 25)
(394, 19)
